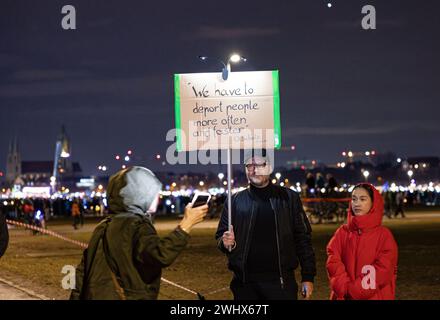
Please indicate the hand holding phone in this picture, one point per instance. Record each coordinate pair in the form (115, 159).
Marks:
(200, 199)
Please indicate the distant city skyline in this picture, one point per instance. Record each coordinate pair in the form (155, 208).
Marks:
(110, 81)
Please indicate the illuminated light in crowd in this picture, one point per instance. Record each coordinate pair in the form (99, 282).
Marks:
(338, 165)
(124, 166)
(329, 5)
(298, 184)
(282, 184)
(176, 194)
(174, 184)
(373, 153)
(168, 202)
(118, 157)
(416, 166)
(292, 148)
(286, 180)
(104, 168)
(344, 154)
(157, 156)
(99, 168)
(274, 181)
(342, 164)
(167, 187)
(366, 173)
(100, 187)
(173, 206)
(225, 183)
(5, 203)
(313, 162)
(424, 165)
(351, 189)
(129, 152)
(350, 154)
(127, 158)
(221, 176)
(201, 183)
(367, 153)
(399, 160)
(278, 175)
(323, 190)
(410, 173)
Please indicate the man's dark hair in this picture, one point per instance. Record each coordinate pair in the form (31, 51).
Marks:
(256, 153)
(367, 188)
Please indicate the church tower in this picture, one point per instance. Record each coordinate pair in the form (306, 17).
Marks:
(13, 162)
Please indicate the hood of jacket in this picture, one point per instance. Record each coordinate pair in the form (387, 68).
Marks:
(132, 190)
(371, 220)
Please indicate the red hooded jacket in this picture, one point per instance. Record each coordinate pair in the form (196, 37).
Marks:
(361, 243)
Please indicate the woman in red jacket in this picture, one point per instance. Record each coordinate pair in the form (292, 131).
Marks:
(362, 255)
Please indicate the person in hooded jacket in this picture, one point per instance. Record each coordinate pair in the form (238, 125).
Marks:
(125, 256)
(362, 255)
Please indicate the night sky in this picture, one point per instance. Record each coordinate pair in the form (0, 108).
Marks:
(110, 81)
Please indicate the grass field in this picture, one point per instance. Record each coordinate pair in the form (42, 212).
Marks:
(35, 262)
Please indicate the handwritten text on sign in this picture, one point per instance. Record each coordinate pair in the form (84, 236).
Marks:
(242, 112)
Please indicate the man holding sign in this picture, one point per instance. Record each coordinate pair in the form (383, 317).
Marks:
(269, 237)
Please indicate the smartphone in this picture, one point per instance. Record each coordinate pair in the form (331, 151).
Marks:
(200, 199)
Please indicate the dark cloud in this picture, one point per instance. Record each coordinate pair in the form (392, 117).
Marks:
(111, 80)
(65, 86)
(222, 33)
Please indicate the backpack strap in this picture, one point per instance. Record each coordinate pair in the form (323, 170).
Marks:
(119, 290)
(88, 264)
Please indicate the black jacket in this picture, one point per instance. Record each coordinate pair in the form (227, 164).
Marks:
(4, 235)
(293, 233)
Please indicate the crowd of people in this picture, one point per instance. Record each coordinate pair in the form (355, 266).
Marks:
(268, 238)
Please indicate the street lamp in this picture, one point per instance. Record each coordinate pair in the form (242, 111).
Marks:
(234, 58)
(366, 174)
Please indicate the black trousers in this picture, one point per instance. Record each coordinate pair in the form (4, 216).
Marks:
(265, 289)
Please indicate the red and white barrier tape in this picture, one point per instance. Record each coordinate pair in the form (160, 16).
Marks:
(48, 232)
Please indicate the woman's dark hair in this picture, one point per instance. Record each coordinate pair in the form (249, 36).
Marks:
(367, 188)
